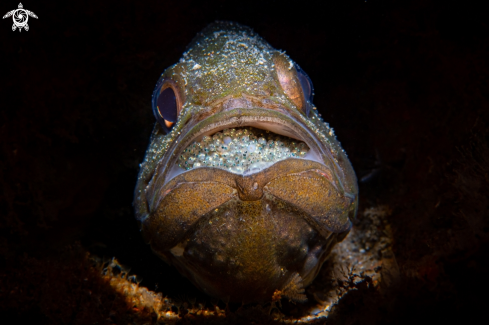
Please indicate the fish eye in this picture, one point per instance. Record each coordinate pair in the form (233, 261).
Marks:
(166, 104)
(294, 82)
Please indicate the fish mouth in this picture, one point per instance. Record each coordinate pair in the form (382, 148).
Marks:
(176, 198)
(287, 133)
(168, 173)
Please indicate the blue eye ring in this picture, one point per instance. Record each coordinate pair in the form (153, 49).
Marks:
(166, 103)
(307, 88)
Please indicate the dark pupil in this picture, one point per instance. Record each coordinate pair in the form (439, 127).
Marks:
(306, 85)
(167, 105)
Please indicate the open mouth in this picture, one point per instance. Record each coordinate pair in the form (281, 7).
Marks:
(241, 142)
(242, 150)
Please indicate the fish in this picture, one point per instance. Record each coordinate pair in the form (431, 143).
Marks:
(244, 188)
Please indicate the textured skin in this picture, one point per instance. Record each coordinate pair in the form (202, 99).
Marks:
(244, 238)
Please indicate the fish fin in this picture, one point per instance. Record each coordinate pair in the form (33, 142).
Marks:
(294, 289)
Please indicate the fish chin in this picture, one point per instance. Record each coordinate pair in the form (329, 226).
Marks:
(257, 232)
(255, 248)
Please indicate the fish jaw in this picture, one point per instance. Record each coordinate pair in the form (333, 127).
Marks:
(241, 238)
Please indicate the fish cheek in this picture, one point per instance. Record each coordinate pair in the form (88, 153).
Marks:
(180, 209)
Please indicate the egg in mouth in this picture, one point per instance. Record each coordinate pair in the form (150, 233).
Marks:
(242, 151)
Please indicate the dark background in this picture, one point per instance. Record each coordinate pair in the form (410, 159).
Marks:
(403, 83)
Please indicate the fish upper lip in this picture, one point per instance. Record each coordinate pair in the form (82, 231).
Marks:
(273, 121)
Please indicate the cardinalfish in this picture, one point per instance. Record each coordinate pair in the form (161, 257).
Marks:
(244, 188)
